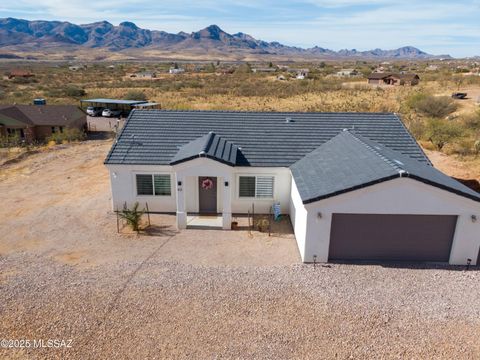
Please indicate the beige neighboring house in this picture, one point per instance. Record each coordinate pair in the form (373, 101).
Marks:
(393, 79)
(37, 122)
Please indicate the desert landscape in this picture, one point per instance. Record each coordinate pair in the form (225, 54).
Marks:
(71, 269)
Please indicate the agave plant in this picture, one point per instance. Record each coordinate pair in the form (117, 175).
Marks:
(132, 216)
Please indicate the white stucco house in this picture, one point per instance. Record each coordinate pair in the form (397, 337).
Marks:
(355, 185)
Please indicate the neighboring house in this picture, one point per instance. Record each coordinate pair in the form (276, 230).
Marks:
(145, 75)
(300, 74)
(176, 71)
(19, 74)
(37, 122)
(356, 185)
(393, 79)
(348, 73)
(264, 70)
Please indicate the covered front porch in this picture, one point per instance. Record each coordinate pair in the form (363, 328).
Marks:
(203, 194)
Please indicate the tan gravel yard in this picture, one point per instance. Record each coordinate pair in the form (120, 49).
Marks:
(66, 274)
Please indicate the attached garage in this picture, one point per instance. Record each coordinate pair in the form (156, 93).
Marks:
(356, 200)
(391, 237)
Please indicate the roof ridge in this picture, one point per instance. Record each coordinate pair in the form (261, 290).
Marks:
(390, 162)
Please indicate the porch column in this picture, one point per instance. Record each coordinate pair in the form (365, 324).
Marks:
(180, 195)
(227, 203)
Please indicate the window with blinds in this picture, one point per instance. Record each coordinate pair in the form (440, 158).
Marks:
(162, 184)
(247, 186)
(148, 184)
(264, 187)
(256, 187)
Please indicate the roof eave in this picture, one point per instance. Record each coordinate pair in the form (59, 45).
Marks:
(402, 175)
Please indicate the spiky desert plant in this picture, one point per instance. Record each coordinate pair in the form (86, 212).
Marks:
(132, 216)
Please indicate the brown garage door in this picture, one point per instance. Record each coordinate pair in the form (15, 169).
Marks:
(391, 237)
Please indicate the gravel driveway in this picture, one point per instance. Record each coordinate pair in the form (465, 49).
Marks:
(65, 274)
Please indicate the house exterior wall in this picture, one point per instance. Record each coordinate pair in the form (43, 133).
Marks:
(123, 186)
(399, 196)
(298, 217)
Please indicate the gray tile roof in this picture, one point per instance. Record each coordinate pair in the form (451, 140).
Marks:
(211, 146)
(266, 138)
(350, 161)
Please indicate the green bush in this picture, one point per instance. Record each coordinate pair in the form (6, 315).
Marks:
(67, 135)
(432, 106)
(442, 132)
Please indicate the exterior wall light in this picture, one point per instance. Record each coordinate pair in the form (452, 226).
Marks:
(319, 215)
(179, 183)
(226, 183)
(474, 218)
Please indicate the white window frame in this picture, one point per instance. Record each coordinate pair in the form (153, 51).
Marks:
(255, 197)
(152, 174)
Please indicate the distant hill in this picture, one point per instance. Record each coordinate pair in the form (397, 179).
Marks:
(17, 35)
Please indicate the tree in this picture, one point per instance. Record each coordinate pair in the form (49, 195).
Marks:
(136, 95)
(442, 132)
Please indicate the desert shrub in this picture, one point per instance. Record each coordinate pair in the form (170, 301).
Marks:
(24, 80)
(10, 141)
(441, 132)
(243, 69)
(74, 91)
(132, 216)
(68, 135)
(136, 95)
(463, 147)
(476, 147)
(432, 106)
(472, 121)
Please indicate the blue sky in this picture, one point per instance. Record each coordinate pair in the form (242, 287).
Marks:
(438, 27)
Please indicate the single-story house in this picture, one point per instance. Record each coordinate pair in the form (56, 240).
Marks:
(37, 122)
(176, 71)
(356, 186)
(393, 79)
(19, 74)
(347, 73)
(264, 70)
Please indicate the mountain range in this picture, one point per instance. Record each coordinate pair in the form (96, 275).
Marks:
(41, 37)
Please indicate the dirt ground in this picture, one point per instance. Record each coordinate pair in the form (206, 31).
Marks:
(65, 273)
(58, 203)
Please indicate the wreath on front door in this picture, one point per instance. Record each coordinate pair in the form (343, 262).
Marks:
(207, 184)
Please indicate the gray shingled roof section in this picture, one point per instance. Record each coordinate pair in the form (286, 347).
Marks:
(266, 139)
(211, 146)
(43, 115)
(349, 162)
